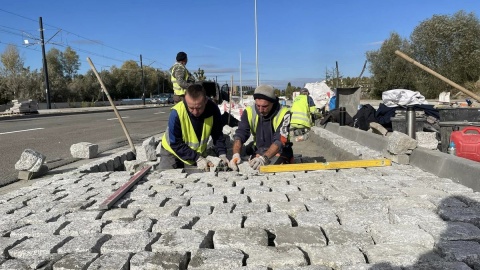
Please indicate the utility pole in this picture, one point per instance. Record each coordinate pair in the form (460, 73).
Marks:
(45, 70)
(143, 81)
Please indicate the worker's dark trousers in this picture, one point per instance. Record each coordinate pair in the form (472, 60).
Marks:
(169, 161)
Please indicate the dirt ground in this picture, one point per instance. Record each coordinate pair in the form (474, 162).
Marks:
(308, 152)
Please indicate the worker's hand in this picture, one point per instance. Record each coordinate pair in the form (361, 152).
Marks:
(255, 163)
(224, 159)
(233, 164)
(202, 164)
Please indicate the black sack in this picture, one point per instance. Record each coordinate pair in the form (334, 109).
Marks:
(334, 117)
(364, 117)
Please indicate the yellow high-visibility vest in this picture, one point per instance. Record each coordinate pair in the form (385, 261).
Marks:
(188, 133)
(252, 117)
(177, 89)
(301, 112)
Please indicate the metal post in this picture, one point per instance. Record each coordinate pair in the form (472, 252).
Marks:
(342, 119)
(411, 122)
(45, 70)
(256, 42)
(241, 88)
(143, 81)
(158, 83)
(338, 76)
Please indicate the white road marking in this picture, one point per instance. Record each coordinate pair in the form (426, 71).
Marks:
(159, 112)
(20, 131)
(123, 117)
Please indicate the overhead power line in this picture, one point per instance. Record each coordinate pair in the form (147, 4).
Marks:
(21, 33)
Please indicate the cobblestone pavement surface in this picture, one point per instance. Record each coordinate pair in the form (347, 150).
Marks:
(396, 217)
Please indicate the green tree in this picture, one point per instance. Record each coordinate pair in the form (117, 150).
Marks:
(70, 62)
(450, 45)
(13, 72)
(277, 92)
(388, 70)
(200, 75)
(129, 80)
(58, 85)
(289, 90)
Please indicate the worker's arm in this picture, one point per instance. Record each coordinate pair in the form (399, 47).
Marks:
(237, 146)
(179, 74)
(272, 151)
(280, 138)
(176, 139)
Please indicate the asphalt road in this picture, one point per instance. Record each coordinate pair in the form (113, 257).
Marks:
(53, 135)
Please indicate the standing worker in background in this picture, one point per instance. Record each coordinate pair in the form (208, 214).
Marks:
(190, 124)
(269, 123)
(180, 77)
(303, 111)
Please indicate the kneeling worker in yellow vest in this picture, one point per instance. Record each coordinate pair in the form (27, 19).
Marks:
(269, 123)
(303, 108)
(191, 123)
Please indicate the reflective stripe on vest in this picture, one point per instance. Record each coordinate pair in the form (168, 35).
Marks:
(177, 89)
(301, 112)
(252, 117)
(188, 133)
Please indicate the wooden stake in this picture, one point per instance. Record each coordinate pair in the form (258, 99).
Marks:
(113, 106)
(464, 90)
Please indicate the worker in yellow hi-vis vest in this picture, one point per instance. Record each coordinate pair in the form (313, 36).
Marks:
(269, 123)
(181, 78)
(190, 125)
(303, 108)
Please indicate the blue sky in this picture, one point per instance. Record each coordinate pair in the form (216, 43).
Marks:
(297, 40)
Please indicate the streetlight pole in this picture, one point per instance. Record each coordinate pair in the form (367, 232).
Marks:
(158, 83)
(241, 89)
(256, 42)
(45, 70)
(143, 81)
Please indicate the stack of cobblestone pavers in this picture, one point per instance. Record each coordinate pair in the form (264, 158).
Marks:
(396, 217)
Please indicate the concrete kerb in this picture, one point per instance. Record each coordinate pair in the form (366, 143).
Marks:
(441, 164)
(460, 170)
(428, 160)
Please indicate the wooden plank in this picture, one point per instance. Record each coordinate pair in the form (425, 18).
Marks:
(123, 189)
(326, 166)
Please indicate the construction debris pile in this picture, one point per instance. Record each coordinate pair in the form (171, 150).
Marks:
(23, 106)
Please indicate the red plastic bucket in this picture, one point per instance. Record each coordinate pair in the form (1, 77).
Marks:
(467, 142)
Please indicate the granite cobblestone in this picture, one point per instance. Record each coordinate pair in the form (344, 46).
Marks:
(396, 217)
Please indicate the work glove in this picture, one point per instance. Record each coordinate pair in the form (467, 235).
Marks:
(224, 159)
(202, 164)
(255, 163)
(233, 164)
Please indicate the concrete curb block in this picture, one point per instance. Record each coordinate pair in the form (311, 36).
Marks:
(460, 170)
(428, 160)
